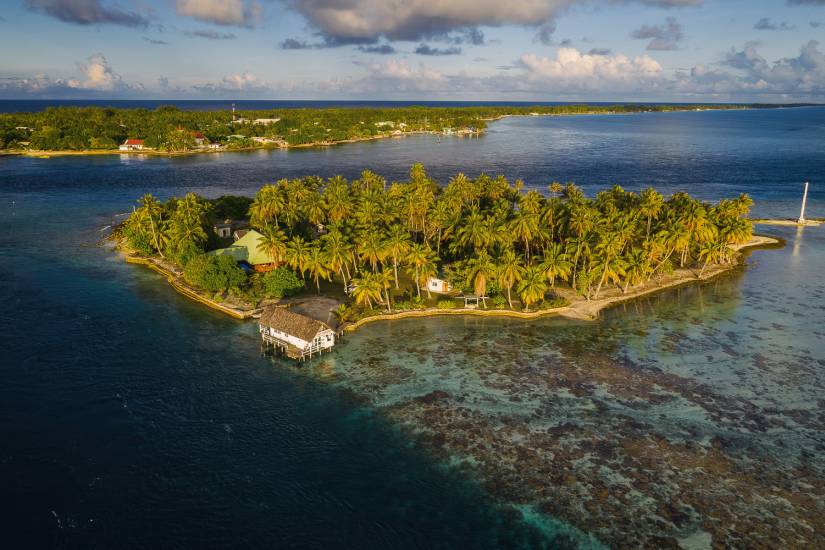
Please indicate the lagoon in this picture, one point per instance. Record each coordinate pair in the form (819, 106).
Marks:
(133, 418)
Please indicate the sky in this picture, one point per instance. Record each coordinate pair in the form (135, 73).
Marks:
(507, 50)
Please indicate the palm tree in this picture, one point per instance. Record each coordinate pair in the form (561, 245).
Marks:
(480, 270)
(297, 254)
(523, 227)
(396, 245)
(317, 265)
(272, 242)
(371, 249)
(386, 280)
(188, 223)
(313, 207)
(152, 211)
(338, 252)
(420, 258)
(650, 204)
(367, 288)
(532, 287)
(580, 221)
(556, 263)
(509, 271)
(268, 204)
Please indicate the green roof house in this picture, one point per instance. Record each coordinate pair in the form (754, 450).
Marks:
(246, 250)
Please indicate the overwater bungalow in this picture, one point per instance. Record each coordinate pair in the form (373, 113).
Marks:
(296, 336)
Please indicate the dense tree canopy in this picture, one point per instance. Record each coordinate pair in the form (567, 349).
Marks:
(485, 234)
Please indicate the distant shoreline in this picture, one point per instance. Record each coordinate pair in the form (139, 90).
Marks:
(36, 153)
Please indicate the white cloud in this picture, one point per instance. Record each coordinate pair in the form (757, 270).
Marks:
(242, 83)
(98, 75)
(353, 21)
(241, 13)
(571, 68)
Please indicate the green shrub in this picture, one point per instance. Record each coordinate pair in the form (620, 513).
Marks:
(403, 305)
(281, 282)
(553, 302)
(138, 240)
(418, 302)
(214, 273)
(445, 304)
(499, 302)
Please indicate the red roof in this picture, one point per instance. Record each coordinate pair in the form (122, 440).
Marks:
(198, 135)
(134, 142)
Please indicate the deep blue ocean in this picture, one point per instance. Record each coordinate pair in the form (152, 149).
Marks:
(133, 418)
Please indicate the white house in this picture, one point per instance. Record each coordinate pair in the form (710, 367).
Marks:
(132, 145)
(266, 121)
(440, 286)
(296, 335)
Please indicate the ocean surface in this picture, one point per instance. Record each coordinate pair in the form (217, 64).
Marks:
(133, 418)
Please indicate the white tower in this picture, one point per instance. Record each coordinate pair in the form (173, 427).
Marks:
(801, 219)
(233, 112)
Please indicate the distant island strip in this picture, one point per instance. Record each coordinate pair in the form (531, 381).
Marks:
(168, 130)
(345, 253)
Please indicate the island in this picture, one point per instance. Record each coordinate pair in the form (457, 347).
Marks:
(352, 252)
(168, 130)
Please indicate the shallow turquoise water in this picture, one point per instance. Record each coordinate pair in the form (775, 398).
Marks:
(134, 418)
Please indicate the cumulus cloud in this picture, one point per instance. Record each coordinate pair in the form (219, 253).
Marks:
(766, 24)
(572, 69)
(94, 77)
(662, 37)
(87, 12)
(237, 84)
(802, 76)
(97, 74)
(365, 21)
(426, 49)
(240, 13)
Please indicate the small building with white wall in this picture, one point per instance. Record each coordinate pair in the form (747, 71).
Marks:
(295, 335)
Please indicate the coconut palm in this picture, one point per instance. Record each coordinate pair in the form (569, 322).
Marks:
(396, 246)
(533, 286)
(371, 249)
(273, 243)
(650, 204)
(509, 271)
(317, 265)
(481, 270)
(152, 215)
(268, 204)
(338, 252)
(367, 289)
(296, 254)
(420, 259)
(556, 264)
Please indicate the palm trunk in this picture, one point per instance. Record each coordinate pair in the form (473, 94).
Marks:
(318, 284)
(509, 299)
(344, 277)
(395, 270)
(417, 283)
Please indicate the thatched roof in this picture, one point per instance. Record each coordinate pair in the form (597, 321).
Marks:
(301, 326)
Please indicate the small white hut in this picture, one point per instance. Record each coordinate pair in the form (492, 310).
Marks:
(296, 335)
(439, 286)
